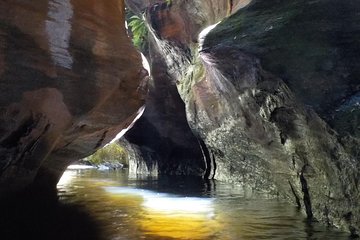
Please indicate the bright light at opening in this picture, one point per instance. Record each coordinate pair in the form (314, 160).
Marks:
(122, 132)
(79, 167)
(145, 63)
(205, 32)
(167, 203)
(71, 173)
(66, 178)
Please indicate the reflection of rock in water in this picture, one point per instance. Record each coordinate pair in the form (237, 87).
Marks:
(34, 217)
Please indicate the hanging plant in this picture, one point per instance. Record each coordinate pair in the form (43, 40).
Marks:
(139, 30)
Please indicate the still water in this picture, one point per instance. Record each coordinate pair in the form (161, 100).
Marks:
(182, 208)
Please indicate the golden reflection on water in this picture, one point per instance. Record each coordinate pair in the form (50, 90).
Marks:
(169, 216)
(126, 211)
(179, 227)
(183, 218)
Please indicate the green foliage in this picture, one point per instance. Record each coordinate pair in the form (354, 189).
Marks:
(168, 2)
(110, 154)
(139, 30)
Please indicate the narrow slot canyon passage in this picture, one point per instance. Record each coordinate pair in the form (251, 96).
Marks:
(179, 120)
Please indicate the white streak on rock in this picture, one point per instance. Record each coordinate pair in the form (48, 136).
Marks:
(58, 29)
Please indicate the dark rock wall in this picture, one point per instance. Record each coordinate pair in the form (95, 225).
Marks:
(272, 92)
(162, 134)
(70, 80)
(312, 46)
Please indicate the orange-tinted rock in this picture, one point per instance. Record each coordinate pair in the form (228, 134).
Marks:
(70, 81)
(180, 22)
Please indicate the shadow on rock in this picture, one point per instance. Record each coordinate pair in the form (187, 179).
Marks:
(36, 217)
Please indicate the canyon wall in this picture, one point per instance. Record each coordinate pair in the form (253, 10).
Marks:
(70, 81)
(273, 93)
(260, 93)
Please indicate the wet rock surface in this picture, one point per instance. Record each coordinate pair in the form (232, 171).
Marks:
(272, 94)
(70, 80)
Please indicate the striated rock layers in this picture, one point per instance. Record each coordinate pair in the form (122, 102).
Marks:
(70, 81)
(273, 92)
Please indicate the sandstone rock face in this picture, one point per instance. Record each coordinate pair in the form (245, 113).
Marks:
(273, 93)
(70, 80)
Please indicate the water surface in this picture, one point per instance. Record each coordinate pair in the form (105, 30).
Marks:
(183, 208)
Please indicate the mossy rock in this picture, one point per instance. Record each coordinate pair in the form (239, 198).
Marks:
(110, 155)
